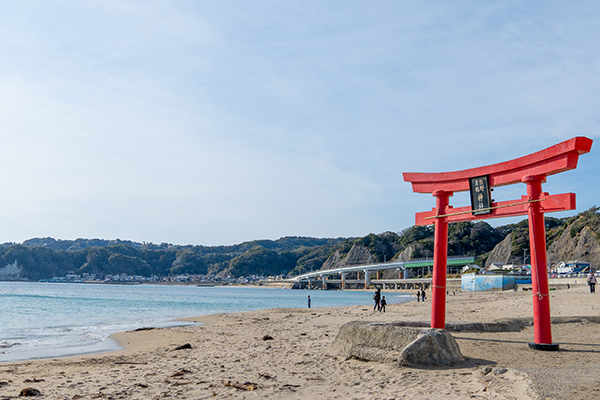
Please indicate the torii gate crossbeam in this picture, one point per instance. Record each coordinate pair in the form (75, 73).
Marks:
(531, 170)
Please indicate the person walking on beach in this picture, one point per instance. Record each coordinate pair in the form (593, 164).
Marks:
(382, 304)
(377, 299)
(309, 301)
(592, 281)
(418, 295)
(423, 295)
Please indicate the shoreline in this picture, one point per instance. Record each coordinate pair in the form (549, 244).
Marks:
(87, 332)
(230, 349)
(109, 344)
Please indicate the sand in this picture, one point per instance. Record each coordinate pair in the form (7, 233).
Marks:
(230, 358)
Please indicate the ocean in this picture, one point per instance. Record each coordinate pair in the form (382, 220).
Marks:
(39, 320)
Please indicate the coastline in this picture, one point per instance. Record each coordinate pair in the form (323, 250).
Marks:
(229, 350)
(100, 312)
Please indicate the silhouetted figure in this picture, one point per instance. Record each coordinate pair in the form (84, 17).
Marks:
(382, 304)
(377, 299)
(308, 301)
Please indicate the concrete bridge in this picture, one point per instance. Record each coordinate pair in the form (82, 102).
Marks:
(338, 277)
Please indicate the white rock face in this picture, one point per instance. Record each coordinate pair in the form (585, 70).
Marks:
(11, 271)
(357, 255)
(333, 261)
(501, 252)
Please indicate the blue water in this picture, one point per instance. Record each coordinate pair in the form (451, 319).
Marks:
(58, 319)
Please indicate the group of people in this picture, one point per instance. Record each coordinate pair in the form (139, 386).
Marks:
(380, 302)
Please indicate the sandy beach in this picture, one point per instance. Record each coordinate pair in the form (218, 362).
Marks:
(286, 354)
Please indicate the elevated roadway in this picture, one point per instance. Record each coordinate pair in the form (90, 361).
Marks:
(329, 275)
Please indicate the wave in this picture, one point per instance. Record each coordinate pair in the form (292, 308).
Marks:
(6, 345)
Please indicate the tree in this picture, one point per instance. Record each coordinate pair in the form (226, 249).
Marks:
(260, 261)
(122, 264)
(188, 262)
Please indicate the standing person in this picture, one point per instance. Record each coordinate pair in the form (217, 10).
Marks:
(592, 281)
(423, 295)
(377, 298)
(308, 301)
(418, 295)
(382, 304)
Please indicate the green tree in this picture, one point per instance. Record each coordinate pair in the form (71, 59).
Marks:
(261, 261)
(122, 264)
(188, 262)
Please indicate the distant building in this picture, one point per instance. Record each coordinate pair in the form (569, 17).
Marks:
(571, 267)
(482, 282)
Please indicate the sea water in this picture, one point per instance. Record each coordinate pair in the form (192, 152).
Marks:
(58, 319)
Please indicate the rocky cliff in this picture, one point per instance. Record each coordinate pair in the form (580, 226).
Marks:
(501, 253)
(11, 272)
(406, 255)
(570, 239)
(358, 255)
(582, 246)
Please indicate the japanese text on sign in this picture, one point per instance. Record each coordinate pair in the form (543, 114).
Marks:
(480, 195)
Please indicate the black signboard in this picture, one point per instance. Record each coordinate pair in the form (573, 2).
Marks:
(481, 199)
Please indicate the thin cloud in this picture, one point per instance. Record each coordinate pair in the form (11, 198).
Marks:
(213, 123)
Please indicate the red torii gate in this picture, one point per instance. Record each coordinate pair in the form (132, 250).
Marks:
(531, 170)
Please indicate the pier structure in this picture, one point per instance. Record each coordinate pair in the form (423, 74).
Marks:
(369, 275)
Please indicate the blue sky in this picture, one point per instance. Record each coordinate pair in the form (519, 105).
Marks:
(213, 122)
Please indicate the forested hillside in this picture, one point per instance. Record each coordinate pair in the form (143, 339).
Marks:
(41, 258)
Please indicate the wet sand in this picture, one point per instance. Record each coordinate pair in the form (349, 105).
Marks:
(286, 354)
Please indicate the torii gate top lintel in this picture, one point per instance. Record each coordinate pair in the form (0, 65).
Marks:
(536, 166)
(552, 160)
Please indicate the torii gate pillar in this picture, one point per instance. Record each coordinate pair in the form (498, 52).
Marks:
(539, 265)
(440, 262)
(531, 170)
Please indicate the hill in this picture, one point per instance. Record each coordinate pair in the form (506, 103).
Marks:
(42, 258)
(567, 239)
